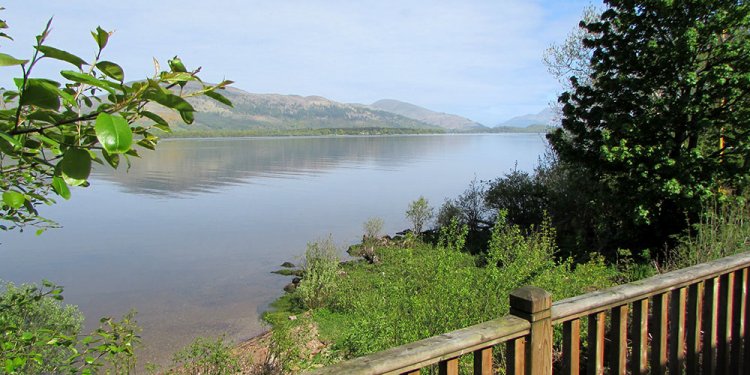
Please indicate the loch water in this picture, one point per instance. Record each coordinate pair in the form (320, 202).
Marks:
(189, 234)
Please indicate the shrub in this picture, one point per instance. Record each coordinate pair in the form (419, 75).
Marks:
(29, 315)
(471, 204)
(207, 356)
(320, 269)
(373, 227)
(39, 334)
(521, 196)
(453, 236)
(419, 213)
(447, 212)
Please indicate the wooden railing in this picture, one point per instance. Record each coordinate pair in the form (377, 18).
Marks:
(694, 320)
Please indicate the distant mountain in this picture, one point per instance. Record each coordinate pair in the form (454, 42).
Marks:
(274, 112)
(443, 120)
(545, 117)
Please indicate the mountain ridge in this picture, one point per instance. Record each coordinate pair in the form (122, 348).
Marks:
(254, 112)
(272, 113)
(444, 120)
(544, 117)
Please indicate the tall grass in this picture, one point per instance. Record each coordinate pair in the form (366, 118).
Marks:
(723, 229)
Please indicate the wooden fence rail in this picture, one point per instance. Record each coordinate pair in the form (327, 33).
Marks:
(693, 321)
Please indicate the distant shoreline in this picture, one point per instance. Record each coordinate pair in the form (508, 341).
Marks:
(340, 132)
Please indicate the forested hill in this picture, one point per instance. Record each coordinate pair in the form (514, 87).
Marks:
(288, 113)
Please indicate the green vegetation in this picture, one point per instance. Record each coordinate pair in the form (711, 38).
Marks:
(206, 356)
(723, 230)
(418, 290)
(51, 132)
(40, 334)
(50, 135)
(419, 214)
(649, 173)
(539, 128)
(319, 267)
(661, 124)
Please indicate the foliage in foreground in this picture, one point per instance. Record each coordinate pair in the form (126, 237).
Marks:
(51, 132)
(40, 334)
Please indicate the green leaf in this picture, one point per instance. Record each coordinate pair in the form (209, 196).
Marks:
(177, 77)
(111, 70)
(75, 166)
(114, 133)
(101, 37)
(60, 187)
(169, 100)
(8, 60)
(176, 65)
(155, 118)
(11, 140)
(187, 116)
(41, 93)
(164, 128)
(219, 98)
(61, 55)
(14, 199)
(112, 159)
(145, 143)
(87, 79)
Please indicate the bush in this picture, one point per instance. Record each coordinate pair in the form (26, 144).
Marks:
(453, 236)
(29, 316)
(447, 213)
(320, 269)
(206, 356)
(373, 228)
(419, 213)
(39, 334)
(523, 198)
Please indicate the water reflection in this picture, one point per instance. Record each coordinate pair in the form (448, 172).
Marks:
(188, 236)
(199, 165)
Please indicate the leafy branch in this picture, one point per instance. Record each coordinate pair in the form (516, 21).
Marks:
(51, 131)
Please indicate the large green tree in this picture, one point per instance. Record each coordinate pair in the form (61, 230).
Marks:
(53, 128)
(661, 123)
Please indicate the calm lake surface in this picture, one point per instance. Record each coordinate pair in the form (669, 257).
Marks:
(189, 235)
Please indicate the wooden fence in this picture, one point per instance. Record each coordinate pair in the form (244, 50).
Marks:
(694, 321)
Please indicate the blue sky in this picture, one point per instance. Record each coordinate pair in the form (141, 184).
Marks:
(478, 59)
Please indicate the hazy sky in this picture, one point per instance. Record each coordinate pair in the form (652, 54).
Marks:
(479, 59)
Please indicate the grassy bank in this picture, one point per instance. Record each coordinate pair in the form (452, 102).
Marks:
(409, 290)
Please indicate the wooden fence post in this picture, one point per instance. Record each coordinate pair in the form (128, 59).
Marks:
(534, 304)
